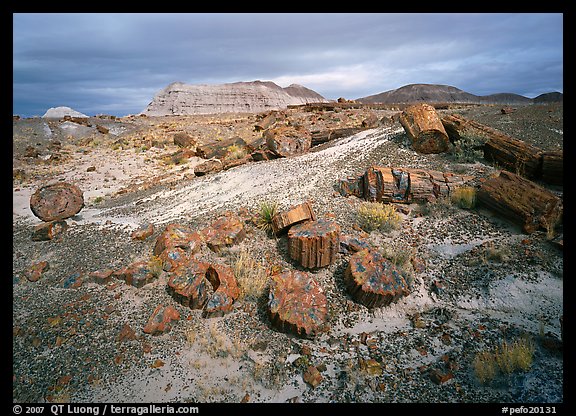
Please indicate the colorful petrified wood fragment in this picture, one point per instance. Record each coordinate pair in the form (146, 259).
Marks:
(314, 243)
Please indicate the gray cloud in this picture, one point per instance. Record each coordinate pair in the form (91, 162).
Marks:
(115, 63)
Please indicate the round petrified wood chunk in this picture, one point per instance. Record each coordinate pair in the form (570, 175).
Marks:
(314, 243)
(57, 201)
(374, 281)
(226, 231)
(297, 304)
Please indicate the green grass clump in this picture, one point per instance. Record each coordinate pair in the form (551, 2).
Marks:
(267, 211)
(376, 216)
(464, 197)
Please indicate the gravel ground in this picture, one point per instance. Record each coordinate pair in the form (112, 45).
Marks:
(497, 285)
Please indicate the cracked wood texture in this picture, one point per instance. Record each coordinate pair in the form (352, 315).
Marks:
(424, 127)
(295, 215)
(314, 243)
(373, 280)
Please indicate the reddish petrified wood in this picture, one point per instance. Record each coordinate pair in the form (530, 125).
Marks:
(423, 125)
(226, 231)
(177, 235)
(286, 141)
(142, 232)
(314, 243)
(374, 281)
(521, 201)
(161, 320)
(297, 304)
(204, 168)
(57, 201)
(553, 167)
(35, 271)
(226, 290)
(140, 273)
(188, 285)
(49, 230)
(101, 277)
(295, 215)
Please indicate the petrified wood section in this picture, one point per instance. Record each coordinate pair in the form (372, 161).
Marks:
(423, 125)
(140, 273)
(102, 277)
(553, 167)
(521, 201)
(285, 141)
(314, 243)
(49, 230)
(297, 304)
(182, 139)
(508, 152)
(204, 168)
(176, 236)
(35, 271)
(200, 285)
(389, 184)
(373, 281)
(161, 320)
(142, 232)
(57, 201)
(296, 214)
(226, 231)
(319, 137)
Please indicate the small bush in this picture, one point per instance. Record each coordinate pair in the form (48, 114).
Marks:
(265, 215)
(506, 358)
(250, 275)
(376, 216)
(236, 152)
(485, 366)
(464, 197)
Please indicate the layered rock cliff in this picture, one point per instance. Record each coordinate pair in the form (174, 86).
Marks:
(238, 97)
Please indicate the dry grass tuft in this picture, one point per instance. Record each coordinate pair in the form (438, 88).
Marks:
(236, 152)
(251, 276)
(464, 197)
(506, 358)
(376, 216)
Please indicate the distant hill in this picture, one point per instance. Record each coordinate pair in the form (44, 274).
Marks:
(237, 97)
(59, 112)
(437, 93)
(549, 97)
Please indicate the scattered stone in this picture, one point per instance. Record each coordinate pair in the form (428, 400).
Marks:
(297, 304)
(161, 320)
(210, 166)
(142, 232)
(102, 129)
(286, 141)
(424, 127)
(314, 243)
(374, 281)
(126, 333)
(102, 277)
(35, 271)
(91, 169)
(185, 140)
(57, 201)
(439, 376)
(140, 273)
(48, 230)
(226, 231)
(295, 215)
(312, 376)
(370, 122)
(349, 244)
(371, 366)
(73, 281)
(507, 110)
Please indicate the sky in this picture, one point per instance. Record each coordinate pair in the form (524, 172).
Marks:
(106, 63)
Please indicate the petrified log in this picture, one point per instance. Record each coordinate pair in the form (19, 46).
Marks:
(226, 231)
(285, 141)
(204, 168)
(521, 201)
(226, 290)
(553, 167)
(142, 232)
(508, 152)
(324, 136)
(297, 304)
(49, 230)
(140, 273)
(182, 139)
(220, 149)
(314, 243)
(374, 281)
(423, 125)
(177, 235)
(389, 184)
(57, 201)
(295, 215)
(269, 120)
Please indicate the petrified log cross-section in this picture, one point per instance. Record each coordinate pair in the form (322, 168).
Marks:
(389, 184)
(57, 201)
(314, 243)
(176, 244)
(297, 304)
(374, 281)
(294, 215)
(226, 231)
(423, 125)
(521, 201)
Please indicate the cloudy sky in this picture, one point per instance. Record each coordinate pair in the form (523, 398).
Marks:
(116, 63)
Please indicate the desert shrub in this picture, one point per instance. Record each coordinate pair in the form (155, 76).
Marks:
(376, 216)
(266, 213)
(250, 275)
(236, 152)
(506, 358)
(464, 197)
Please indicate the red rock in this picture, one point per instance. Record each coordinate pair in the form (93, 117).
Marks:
(312, 376)
(297, 304)
(185, 140)
(295, 215)
(48, 230)
(350, 244)
(225, 290)
(161, 320)
(177, 236)
(226, 231)
(140, 273)
(126, 333)
(285, 141)
(439, 377)
(188, 284)
(373, 281)
(173, 257)
(35, 271)
(143, 232)
(57, 201)
(314, 243)
(102, 277)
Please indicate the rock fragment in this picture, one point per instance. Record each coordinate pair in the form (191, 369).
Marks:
(314, 243)
(48, 230)
(57, 201)
(425, 129)
(226, 231)
(161, 320)
(34, 272)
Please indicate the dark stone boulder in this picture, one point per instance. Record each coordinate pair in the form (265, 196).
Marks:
(57, 201)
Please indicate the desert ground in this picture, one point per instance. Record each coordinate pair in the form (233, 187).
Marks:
(480, 281)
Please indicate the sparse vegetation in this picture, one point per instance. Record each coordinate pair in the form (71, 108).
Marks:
(506, 358)
(250, 275)
(464, 197)
(376, 216)
(236, 152)
(267, 211)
